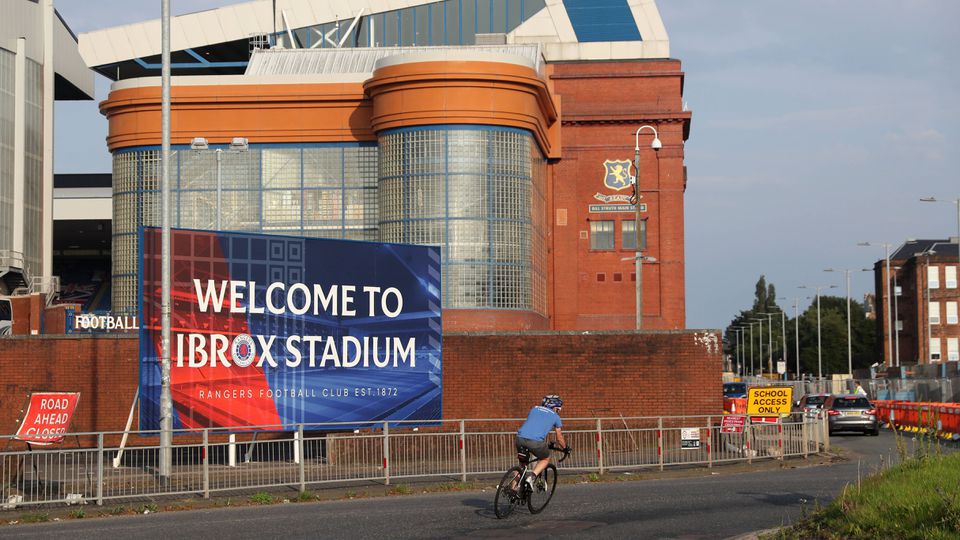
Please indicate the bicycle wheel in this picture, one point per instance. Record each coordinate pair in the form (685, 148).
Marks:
(543, 489)
(506, 497)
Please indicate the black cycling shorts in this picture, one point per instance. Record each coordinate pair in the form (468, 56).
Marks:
(541, 449)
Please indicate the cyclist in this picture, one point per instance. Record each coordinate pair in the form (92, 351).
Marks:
(533, 433)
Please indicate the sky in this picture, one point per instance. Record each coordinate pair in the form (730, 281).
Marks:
(816, 125)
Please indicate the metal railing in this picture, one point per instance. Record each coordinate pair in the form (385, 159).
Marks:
(296, 456)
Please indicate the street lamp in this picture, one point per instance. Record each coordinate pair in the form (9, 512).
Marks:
(769, 338)
(238, 144)
(886, 285)
(750, 324)
(796, 321)
(819, 351)
(956, 202)
(926, 277)
(846, 272)
(635, 200)
(760, 362)
(896, 316)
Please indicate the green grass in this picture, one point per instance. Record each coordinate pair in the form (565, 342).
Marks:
(918, 499)
(36, 517)
(401, 489)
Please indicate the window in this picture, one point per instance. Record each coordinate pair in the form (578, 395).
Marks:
(629, 236)
(934, 312)
(950, 276)
(953, 349)
(935, 349)
(933, 277)
(601, 235)
(951, 313)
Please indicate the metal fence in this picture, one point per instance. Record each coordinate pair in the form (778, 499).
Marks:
(296, 456)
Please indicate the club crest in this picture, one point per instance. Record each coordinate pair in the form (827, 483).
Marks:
(617, 174)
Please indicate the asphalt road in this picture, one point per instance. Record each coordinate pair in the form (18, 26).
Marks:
(717, 504)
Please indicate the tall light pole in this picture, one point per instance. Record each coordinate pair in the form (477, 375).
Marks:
(760, 335)
(847, 272)
(166, 400)
(750, 324)
(956, 202)
(896, 317)
(926, 278)
(796, 339)
(635, 200)
(819, 349)
(238, 144)
(886, 285)
(769, 339)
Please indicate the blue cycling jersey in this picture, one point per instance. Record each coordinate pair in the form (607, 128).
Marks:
(539, 423)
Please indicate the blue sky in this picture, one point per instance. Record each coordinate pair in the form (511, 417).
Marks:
(816, 125)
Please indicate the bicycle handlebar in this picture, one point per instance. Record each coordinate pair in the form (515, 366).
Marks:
(566, 451)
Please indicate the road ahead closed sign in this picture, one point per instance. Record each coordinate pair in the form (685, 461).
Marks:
(769, 400)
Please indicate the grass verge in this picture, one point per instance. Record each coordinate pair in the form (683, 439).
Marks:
(920, 498)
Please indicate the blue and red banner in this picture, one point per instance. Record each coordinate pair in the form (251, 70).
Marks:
(275, 330)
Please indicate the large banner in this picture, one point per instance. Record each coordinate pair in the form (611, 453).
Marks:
(273, 330)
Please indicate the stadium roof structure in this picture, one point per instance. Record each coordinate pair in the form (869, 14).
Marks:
(221, 41)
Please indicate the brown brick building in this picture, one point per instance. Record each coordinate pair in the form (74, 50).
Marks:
(924, 275)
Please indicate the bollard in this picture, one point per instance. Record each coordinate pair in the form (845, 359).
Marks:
(232, 451)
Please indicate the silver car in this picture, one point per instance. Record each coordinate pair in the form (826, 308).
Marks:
(851, 412)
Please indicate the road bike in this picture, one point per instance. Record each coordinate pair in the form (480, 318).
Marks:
(514, 491)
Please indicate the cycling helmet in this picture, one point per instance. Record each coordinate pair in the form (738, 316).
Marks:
(552, 401)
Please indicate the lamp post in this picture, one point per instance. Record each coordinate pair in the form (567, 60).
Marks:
(166, 400)
(750, 324)
(926, 254)
(846, 272)
(760, 335)
(956, 202)
(796, 321)
(886, 285)
(238, 144)
(819, 350)
(635, 200)
(769, 339)
(896, 317)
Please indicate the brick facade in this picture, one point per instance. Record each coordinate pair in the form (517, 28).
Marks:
(603, 104)
(485, 375)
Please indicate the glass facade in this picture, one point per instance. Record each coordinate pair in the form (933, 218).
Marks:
(319, 190)
(450, 22)
(32, 201)
(478, 193)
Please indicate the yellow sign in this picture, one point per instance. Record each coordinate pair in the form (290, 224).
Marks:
(769, 400)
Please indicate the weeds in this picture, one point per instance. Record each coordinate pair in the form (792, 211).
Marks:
(35, 517)
(261, 498)
(306, 496)
(77, 514)
(401, 489)
(148, 508)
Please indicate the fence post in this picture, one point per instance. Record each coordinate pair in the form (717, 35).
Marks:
(600, 445)
(232, 450)
(206, 463)
(386, 453)
(825, 430)
(463, 452)
(660, 441)
(783, 449)
(749, 435)
(300, 448)
(99, 469)
(803, 438)
(709, 442)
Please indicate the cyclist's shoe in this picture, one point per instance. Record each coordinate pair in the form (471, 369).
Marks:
(530, 479)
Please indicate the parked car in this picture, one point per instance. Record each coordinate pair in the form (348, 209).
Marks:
(851, 412)
(810, 406)
(734, 390)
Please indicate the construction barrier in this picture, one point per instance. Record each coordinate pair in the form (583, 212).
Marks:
(940, 418)
(734, 405)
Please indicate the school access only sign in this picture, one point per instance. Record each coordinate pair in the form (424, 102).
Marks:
(769, 400)
(275, 330)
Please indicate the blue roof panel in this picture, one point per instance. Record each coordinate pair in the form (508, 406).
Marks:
(602, 20)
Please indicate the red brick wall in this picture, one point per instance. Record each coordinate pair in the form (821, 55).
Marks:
(603, 105)
(647, 374)
(484, 375)
(102, 369)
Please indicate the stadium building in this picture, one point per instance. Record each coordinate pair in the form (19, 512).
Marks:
(502, 131)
